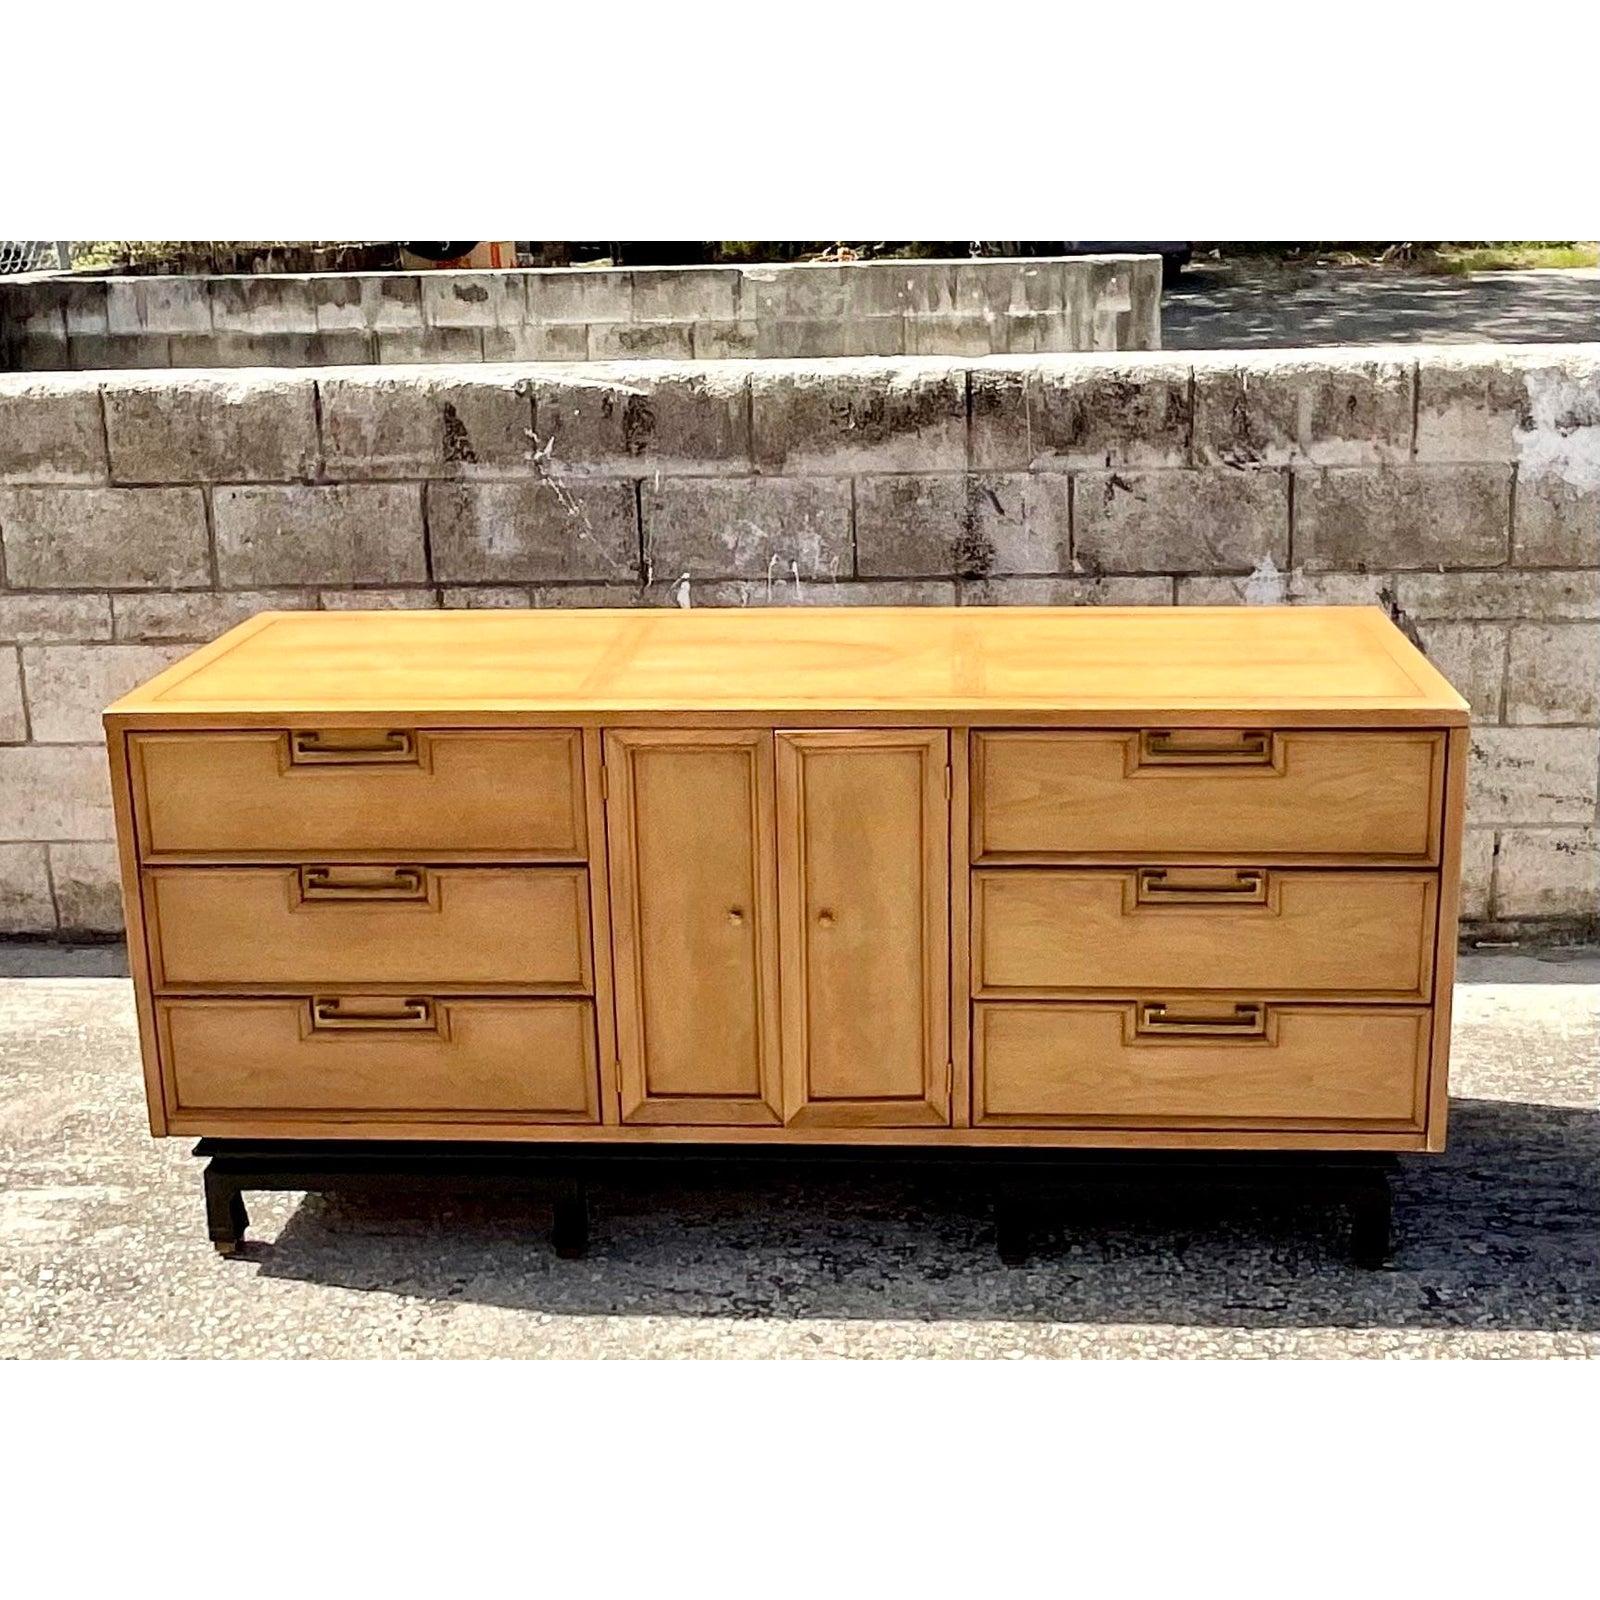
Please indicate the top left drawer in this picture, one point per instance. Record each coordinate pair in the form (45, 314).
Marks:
(359, 794)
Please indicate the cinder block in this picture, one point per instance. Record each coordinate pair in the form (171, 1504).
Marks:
(1548, 872)
(198, 351)
(746, 527)
(1273, 409)
(261, 305)
(416, 346)
(1192, 522)
(342, 347)
(485, 598)
(1556, 522)
(969, 527)
(1477, 873)
(69, 685)
(50, 430)
(1531, 777)
(100, 352)
(1473, 596)
(336, 534)
(83, 304)
(474, 299)
(26, 905)
(538, 341)
(1080, 411)
(1270, 588)
(13, 714)
(863, 416)
(197, 618)
(722, 341)
(1398, 517)
(380, 599)
(57, 791)
(638, 422)
(880, 289)
(105, 538)
(46, 618)
(88, 884)
(804, 290)
(961, 334)
(587, 596)
(789, 591)
(1553, 674)
(996, 289)
(37, 352)
(211, 427)
(533, 532)
(639, 341)
(1038, 333)
(425, 425)
(1539, 407)
(670, 294)
(580, 294)
(1110, 591)
(157, 305)
(1472, 655)
(390, 301)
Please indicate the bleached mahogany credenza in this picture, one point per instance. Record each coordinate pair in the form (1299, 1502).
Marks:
(944, 878)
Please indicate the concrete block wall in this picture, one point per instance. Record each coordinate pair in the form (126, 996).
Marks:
(1459, 488)
(874, 308)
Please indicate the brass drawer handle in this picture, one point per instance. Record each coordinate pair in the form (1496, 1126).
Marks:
(395, 883)
(341, 1015)
(1248, 1018)
(1250, 747)
(1247, 886)
(313, 747)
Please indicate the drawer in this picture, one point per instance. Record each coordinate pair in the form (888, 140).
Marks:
(1204, 794)
(354, 1054)
(409, 927)
(1263, 930)
(359, 794)
(1138, 1065)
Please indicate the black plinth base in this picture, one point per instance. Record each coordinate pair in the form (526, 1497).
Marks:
(1359, 1183)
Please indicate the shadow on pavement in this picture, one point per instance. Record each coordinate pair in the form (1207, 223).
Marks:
(1502, 1232)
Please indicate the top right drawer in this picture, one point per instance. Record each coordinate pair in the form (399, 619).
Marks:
(1200, 794)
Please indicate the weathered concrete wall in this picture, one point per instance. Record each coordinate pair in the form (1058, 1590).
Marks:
(872, 308)
(142, 514)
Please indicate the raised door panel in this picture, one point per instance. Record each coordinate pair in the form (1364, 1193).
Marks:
(689, 823)
(863, 833)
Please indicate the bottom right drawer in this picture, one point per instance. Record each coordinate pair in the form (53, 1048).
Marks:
(1232, 1065)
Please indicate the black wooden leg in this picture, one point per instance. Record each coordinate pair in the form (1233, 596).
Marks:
(226, 1217)
(1371, 1220)
(570, 1232)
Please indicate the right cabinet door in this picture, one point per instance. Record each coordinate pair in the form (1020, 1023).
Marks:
(863, 865)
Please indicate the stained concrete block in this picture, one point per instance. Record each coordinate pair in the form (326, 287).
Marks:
(746, 527)
(1472, 655)
(197, 618)
(100, 352)
(105, 538)
(641, 421)
(485, 598)
(960, 334)
(1537, 406)
(1271, 587)
(1272, 409)
(211, 428)
(1553, 673)
(1486, 596)
(50, 430)
(1193, 522)
(783, 590)
(1556, 522)
(1477, 873)
(533, 532)
(379, 599)
(580, 294)
(672, 294)
(157, 305)
(474, 299)
(425, 425)
(83, 304)
(719, 341)
(46, 618)
(386, 302)
(261, 305)
(26, 904)
(69, 685)
(962, 526)
(426, 346)
(1107, 591)
(639, 341)
(1548, 872)
(55, 792)
(335, 534)
(1399, 517)
(538, 341)
(862, 416)
(1531, 777)
(88, 885)
(13, 712)
(807, 291)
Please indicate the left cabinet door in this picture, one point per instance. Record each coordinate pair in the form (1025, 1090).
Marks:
(690, 829)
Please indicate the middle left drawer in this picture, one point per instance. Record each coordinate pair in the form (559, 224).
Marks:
(374, 927)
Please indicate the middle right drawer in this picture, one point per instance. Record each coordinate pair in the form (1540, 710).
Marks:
(1272, 932)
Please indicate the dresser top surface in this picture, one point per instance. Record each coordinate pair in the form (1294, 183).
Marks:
(1321, 663)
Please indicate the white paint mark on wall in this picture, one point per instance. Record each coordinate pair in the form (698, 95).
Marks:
(1564, 440)
(1266, 586)
(680, 594)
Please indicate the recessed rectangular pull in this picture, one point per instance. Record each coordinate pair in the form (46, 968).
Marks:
(363, 883)
(1196, 886)
(352, 747)
(1243, 1019)
(372, 1013)
(1205, 747)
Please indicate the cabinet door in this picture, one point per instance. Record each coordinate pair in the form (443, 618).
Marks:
(689, 823)
(864, 908)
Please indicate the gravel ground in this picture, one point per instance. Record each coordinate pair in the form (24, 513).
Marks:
(103, 1249)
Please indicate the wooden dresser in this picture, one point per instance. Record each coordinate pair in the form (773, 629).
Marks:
(933, 877)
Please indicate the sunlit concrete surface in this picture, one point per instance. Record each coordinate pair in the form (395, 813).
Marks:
(1248, 305)
(103, 1249)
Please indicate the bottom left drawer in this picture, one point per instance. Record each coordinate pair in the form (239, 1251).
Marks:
(349, 1054)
